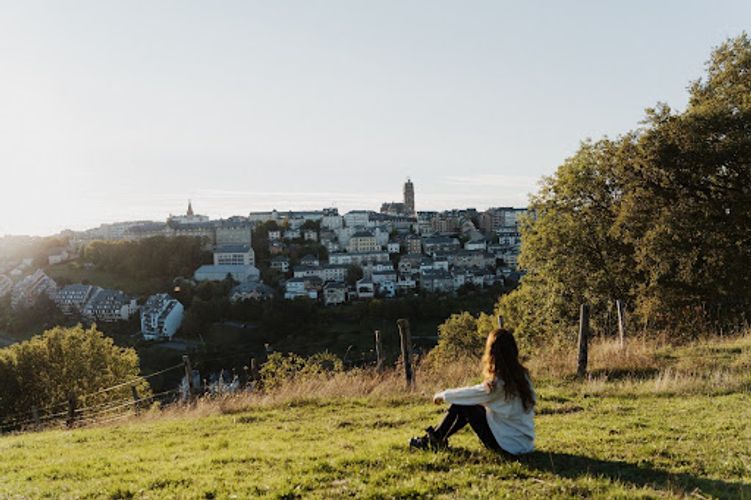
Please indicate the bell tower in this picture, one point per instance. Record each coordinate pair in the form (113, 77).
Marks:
(409, 196)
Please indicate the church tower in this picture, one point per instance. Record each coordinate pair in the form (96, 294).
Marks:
(190, 209)
(409, 196)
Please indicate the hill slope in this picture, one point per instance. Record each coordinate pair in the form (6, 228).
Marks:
(602, 438)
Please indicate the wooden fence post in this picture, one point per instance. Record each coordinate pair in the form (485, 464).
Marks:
(621, 323)
(71, 408)
(254, 369)
(379, 351)
(406, 343)
(189, 375)
(136, 399)
(35, 416)
(583, 340)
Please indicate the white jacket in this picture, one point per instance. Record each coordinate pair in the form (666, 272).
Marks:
(513, 428)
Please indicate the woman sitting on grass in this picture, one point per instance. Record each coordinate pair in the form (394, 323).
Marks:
(500, 410)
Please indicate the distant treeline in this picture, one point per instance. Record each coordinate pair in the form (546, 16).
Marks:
(151, 257)
(657, 218)
(207, 303)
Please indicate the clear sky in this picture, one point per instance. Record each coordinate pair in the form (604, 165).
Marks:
(122, 110)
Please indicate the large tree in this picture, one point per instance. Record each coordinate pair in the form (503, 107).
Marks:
(657, 218)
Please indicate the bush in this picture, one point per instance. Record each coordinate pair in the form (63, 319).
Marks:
(44, 370)
(460, 336)
(280, 368)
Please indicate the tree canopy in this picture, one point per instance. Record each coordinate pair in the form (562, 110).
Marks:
(151, 257)
(43, 371)
(657, 218)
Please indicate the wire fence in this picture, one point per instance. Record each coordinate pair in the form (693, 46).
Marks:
(101, 406)
(72, 412)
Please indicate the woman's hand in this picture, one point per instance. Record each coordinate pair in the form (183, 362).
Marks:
(438, 399)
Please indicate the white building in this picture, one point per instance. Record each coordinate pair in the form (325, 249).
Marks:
(476, 244)
(219, 272)
(307, 271)
(331, 219)
(438, 281)
(393, 247)
(161, 317)
(359, 259)
(275, 234)
(335, 272)
(236, 255)
(302, 287)
(405, 283)
(357, 218)
(280, 263)
(334, 293)
(58, 257)
(380, 277)
(310, 260)
(234, 231)
(365, 289)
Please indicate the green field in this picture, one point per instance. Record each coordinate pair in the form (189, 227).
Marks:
(682, 431)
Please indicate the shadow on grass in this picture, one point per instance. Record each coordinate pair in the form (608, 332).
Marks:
(575, 466)
(624, 373)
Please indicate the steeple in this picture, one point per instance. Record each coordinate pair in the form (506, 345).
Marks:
(190, 209)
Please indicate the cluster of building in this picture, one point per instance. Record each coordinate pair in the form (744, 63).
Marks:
(395, 260)
(234, 230)
(161, 315)
(25, 292)
(369, 254)
(397, 250)
(94, 303)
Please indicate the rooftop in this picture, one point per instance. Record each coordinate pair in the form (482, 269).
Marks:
(232, 248)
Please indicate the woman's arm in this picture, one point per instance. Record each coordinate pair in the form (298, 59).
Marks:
(472, 395)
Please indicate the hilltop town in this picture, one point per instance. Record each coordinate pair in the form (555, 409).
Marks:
(320, 255)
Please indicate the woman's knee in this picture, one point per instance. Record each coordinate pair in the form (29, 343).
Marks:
(465, 410)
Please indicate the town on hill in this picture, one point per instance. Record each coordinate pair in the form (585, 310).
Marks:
(320, 255)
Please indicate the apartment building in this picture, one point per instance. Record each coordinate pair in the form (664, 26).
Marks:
(161, 317)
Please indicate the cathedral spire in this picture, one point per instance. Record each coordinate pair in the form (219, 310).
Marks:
(190, 209)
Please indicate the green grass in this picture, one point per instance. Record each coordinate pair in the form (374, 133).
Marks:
(75, 272)
(684, 431)
(650, 446)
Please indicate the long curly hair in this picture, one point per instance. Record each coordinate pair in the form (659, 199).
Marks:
(501, 361)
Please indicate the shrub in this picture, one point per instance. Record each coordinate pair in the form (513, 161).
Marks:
(280, 368)
(44, 370)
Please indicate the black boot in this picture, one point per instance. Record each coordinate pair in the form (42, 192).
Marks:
(430, 441)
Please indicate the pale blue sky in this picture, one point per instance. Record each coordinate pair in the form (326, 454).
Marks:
(120, 110)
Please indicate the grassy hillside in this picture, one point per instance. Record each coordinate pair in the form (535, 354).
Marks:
(682, 429)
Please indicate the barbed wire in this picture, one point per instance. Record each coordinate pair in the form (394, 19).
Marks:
(28, 417)
(10, 420)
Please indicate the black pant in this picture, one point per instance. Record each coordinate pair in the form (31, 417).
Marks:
(460, 415)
